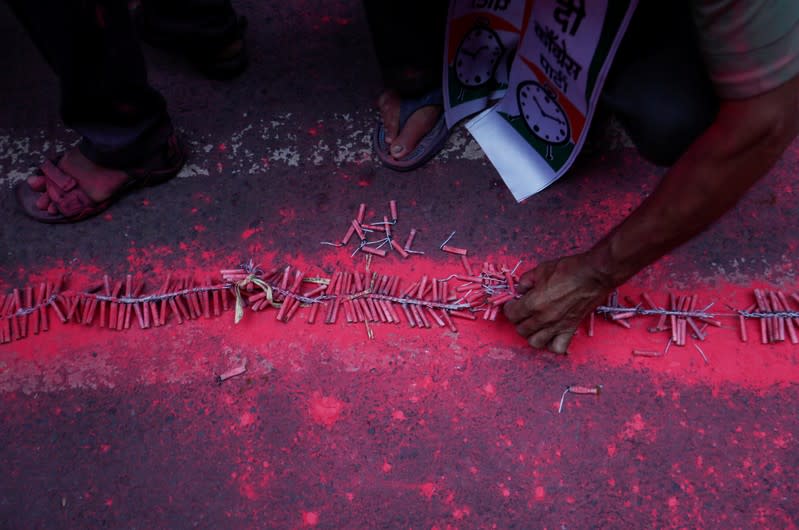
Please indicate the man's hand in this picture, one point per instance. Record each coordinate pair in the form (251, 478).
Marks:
(746, 139)
(557, 296)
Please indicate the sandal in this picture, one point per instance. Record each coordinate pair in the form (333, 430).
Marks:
(74, 204)
(429, 145)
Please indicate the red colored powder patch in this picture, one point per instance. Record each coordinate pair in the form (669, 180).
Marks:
(325, 410)
(247, 419)
(287, 215)
(310, 518)
(247, 234)
(428, 489)
(248, 490)
(634, 426)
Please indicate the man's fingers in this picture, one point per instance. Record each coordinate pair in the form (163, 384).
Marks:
(515, 311)
(555, 295)
(528, 328)
(37, 182)
(526, 282)
(540, 339)
(43, 201)
(561, 341)
(518, 310)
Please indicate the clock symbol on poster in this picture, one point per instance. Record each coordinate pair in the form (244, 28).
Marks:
(543, 115)
(478, 55)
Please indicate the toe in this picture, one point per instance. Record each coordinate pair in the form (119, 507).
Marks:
(418, 125)
(37, 182)
(43, 201)
(54, 193)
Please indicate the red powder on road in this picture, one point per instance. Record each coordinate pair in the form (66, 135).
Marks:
(325, 410)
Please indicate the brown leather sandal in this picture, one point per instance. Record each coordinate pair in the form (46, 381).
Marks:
(72, 202)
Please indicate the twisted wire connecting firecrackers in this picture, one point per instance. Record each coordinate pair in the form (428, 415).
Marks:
(348, 289)
(758, 314)
(127, 300)
(702, 315)
(24, 311)
(271, 288)
(483, 292)
(777, 319)
(365, 299)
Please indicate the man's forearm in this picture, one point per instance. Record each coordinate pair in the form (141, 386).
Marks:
(715, 172)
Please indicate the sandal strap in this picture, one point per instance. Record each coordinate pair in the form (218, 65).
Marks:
(408, 106)
(58, 178)
(64, 191)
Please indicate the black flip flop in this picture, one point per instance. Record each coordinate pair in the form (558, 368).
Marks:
(430, 144)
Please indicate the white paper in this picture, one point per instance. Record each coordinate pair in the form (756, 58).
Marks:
(481, 41)
(535, 132)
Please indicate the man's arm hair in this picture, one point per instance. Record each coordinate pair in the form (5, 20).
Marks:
(743, 143)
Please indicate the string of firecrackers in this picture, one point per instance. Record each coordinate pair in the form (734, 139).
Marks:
(367, 297)
(107, 304)
(771, 309)
(362, 297)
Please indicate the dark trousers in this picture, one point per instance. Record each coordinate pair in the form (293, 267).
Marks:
(658, 86)
(408, 39)
(93, 48)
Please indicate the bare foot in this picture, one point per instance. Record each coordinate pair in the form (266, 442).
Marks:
(98, 182)
(402, 142)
